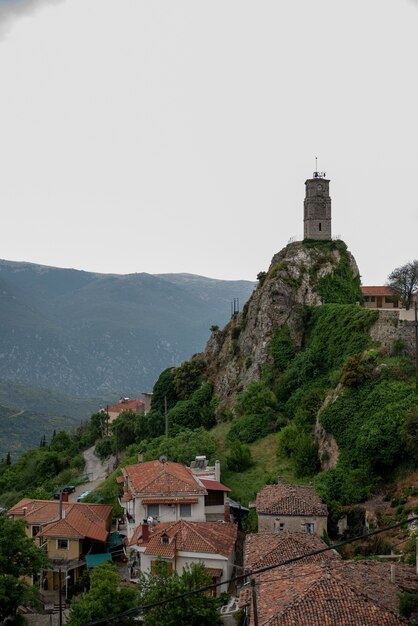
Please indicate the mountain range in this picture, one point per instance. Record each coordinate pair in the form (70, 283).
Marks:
(90, 335)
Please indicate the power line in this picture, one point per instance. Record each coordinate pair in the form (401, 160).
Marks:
(250, 573)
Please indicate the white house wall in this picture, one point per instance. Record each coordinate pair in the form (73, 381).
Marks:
(187, 558)
(169, 513)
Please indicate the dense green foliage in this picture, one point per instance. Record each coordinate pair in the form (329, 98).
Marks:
(107, 596)
(19, 556)
(257, 411)
(182, 447)
(200, 609)
(368, 423)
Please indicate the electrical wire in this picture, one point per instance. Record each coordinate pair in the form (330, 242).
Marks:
(251, 573)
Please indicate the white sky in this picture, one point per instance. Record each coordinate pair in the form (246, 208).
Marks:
(176, 135)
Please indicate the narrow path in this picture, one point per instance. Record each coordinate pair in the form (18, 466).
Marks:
(96, 471)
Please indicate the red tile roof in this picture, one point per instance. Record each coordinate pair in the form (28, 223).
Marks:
(126, 405)
(154, 478)
(78, 520)
(213, 485)
(378, 291)
(202, 537)
(337, 593)
(290, 500)
(262, 549)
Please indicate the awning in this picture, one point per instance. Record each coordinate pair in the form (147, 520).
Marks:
(115, 539)
(213, 485)
(214, 572)
(93, 560)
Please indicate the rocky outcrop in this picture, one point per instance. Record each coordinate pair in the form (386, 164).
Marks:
(236, 355)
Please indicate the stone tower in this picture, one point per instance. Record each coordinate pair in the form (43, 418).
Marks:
(317, 208)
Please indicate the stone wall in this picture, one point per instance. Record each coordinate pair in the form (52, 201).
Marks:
(389, 327)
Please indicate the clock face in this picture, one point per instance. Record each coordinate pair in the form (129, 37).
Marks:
(319, 187)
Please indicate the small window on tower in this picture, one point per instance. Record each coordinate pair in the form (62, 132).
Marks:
(320, 226)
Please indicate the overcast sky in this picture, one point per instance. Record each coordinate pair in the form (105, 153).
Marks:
(176, 135)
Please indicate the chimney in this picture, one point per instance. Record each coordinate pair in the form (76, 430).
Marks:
(140, 456)
(145, 531)
(227, 512)
(218, 471)
(65, 496)
(24, 509)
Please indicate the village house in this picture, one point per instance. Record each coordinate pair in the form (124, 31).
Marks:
(266, 548)
(164, 491)
(334, 592)
(184, 542)
(290, 507)
(380, 297)
(125, 404)
(70, 532)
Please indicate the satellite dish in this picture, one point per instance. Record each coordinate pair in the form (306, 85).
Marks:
(163, 458)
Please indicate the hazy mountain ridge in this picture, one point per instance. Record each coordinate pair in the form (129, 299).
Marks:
(89, 334)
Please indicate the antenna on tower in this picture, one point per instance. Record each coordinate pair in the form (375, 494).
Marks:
(317, 174)
(234, 308)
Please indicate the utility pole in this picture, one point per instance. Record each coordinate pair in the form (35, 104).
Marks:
(166, 416)
(254, 596)
(60, 597)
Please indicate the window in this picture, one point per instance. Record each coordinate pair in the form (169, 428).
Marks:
(35, 530)
(185, 510)
(310, 527)
(153, 510)
(214, 498)
(320, 226)
(62, 544)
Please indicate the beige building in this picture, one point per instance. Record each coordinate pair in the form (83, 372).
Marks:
(380, 298)
(291, 508)
(136, 407)
(69, 532)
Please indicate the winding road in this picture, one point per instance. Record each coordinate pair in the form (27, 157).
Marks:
(96, 470)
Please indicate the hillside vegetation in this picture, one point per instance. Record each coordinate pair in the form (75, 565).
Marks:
(319, 376)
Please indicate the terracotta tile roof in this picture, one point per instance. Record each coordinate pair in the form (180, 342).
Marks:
(378, 291)
(213, 485)
(127, 405)
(162, 479)
(78, 519)
(202, 537)
(267, 548)
(290, 500)
(329, 602)
(337, 593)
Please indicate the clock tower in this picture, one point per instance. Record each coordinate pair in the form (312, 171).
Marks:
(317, 208)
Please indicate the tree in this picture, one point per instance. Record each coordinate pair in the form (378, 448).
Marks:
(404, 280)
(199, 609)
(19, 556)
(107, 597)
(123, 429)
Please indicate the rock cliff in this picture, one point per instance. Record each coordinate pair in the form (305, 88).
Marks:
(302, 274)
